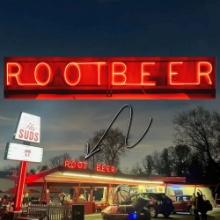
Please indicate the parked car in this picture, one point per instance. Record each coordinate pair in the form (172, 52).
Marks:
(135, 211)
(159, 203)
(183, 203)
(145, 205)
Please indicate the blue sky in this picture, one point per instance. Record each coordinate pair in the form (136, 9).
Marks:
(104, 28)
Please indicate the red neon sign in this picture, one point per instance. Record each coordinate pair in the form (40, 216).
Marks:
(110, 78)
(103, 168)
(83, 165)
(76, 165)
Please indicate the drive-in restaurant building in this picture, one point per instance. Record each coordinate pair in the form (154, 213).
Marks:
(75, 183)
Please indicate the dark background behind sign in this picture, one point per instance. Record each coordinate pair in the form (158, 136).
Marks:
(104, 28)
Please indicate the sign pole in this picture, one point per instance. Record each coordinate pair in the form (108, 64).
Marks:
(20, 186)
(28, 131)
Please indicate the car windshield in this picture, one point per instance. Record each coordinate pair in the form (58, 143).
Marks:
(124, 195)
(134, 198)
(183, 198)
(157, 196)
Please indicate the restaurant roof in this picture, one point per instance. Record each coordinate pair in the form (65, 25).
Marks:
(65, 175)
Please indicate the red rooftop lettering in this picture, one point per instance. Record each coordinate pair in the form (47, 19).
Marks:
(103, 168)
(72, 164)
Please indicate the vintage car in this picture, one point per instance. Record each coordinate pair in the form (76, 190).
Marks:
(158, 203)
(183, 203)
(136, 211)
(143, 205)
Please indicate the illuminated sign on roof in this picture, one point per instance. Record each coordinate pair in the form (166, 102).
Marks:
(110, 78)
(83, 165)
(76, 165)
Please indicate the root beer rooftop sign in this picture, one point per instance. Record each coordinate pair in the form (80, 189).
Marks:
(110, 78)
(83, 165)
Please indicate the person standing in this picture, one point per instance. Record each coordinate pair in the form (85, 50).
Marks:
(197, 202)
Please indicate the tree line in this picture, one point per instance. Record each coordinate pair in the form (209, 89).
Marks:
(196, 154)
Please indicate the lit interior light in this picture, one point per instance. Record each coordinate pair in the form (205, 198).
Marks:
(111, 178)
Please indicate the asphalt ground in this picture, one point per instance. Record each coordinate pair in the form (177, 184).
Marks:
(213, 215)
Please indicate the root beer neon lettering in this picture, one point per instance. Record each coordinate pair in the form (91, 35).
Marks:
(103, 168)
(145, 74)
(115, 77)
(37, 69)
(100, 64)
(206, 73)
(73, 164)
(121, 74)
(198, 74)
(67, 74)
(83, 165)
(13, 70)
(172, 73)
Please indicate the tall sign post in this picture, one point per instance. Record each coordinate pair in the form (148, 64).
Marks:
(20, 186)
(27, 133)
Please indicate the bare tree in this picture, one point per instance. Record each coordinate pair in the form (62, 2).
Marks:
(165, 162)
(148, 165)
(171, 160)
(58, 160)
(181, 158)
(200, 129)
(157, 164)
(137, 170)
(112, 147)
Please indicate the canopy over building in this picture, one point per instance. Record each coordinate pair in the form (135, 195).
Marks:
(80, 184)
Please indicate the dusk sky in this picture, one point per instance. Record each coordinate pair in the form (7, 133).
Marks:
(104, 28)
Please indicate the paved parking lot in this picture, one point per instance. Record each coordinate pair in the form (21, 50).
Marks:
(214, 215)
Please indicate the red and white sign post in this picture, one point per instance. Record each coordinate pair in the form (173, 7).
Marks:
(28, 131)
(20, 186)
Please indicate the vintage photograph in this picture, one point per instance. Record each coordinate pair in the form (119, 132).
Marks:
(109, 110)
